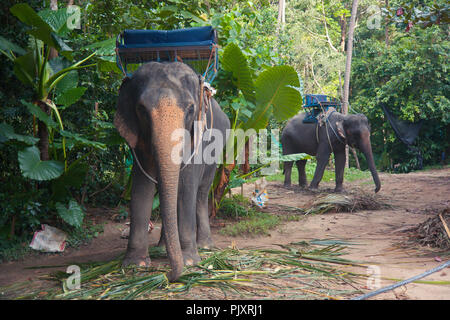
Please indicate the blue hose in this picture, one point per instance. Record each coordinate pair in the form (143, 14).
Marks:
(401, 283)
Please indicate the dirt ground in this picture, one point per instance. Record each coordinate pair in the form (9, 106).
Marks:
(381, 236)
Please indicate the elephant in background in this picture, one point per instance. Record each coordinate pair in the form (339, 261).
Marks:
(158, 99)
(336, 131)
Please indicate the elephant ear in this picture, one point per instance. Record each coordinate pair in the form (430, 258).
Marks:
(340, 128)
(125, 120)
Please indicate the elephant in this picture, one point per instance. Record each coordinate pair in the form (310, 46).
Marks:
(158, 99)
(320, 139)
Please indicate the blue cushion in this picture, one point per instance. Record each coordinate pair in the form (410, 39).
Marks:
(200, 36)
(164, 44)
(312, 99)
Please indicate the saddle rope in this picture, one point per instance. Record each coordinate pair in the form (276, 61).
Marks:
(327, 121)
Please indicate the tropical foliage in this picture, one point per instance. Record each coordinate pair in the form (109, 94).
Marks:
(61, 152)
(274, 93)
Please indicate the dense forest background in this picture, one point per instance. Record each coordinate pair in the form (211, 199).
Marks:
(399, 60)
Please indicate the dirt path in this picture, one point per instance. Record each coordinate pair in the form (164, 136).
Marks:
(379, 234)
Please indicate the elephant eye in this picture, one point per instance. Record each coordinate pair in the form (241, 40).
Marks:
(190, 112)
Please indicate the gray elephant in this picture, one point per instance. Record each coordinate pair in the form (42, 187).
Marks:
(158, 99)
(332, 135)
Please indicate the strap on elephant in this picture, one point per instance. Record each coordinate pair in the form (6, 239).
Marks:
(142, 169)
(324, 119)
(206, 93)
(193, 46)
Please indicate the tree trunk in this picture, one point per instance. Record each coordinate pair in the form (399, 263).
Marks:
(245, 167)
(42, 132)
(343, 24)
(281, 16)
(281, 12)
(348, 64)
(219, 190)
(53, 52)
(386, 28)
(356, 158)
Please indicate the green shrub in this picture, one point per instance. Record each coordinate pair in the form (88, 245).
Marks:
(250, 221)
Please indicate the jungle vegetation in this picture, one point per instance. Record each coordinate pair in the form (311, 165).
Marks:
(60, 152)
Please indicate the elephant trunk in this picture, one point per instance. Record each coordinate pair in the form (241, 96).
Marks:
(168, 189)
(366, 149)
(165, 119)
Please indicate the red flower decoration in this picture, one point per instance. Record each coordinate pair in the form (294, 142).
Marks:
(409, 26)
(400, 12)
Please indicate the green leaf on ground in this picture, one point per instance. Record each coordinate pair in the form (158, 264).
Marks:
(73, 214)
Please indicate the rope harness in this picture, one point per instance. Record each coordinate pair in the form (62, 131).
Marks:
(206, 93)
(323, 118)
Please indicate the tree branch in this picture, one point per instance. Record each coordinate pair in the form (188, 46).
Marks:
(326, 29)
(313, 74)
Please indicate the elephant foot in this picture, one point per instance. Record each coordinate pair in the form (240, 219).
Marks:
(339, 190)
(205, 244)
(191, 257)
(313, 188)
(287, 184)
(137, 261)
(161, 244)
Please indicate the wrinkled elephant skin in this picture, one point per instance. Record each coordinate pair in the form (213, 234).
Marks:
(157, 100)
(340, 130)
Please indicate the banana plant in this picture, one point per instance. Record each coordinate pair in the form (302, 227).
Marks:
(54, 82)
(34, 68)
(273, 93)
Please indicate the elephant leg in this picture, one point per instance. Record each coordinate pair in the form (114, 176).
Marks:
(323, 154)
(302, 181)
(142, 193)
(161, 242)
(187, 224)
(287, 173)
(204, 239)
(339, 170)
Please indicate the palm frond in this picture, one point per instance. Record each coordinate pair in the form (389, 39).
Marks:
(243, 272)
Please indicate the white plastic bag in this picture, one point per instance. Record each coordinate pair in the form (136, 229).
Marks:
(260, 195)
(126, 232)
(49, 239)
